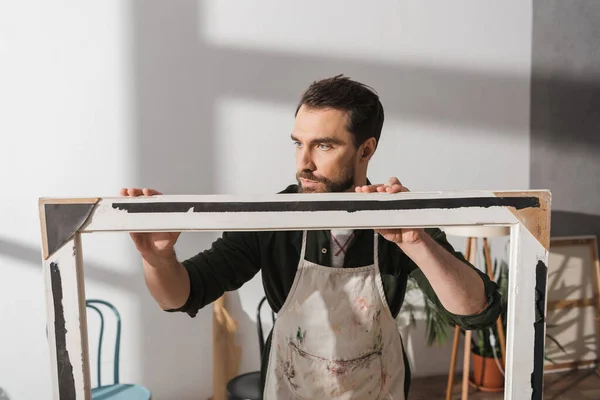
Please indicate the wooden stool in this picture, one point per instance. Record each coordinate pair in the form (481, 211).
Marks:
(472, 233)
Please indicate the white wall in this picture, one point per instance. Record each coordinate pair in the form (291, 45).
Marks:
(69, 128)
(65, 111)
(198, 97)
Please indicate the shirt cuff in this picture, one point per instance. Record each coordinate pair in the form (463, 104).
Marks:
(487, 316)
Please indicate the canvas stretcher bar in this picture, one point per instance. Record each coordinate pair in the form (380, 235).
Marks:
(587, 306)
(527, 213)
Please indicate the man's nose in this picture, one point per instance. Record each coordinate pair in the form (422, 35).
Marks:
(304, 160)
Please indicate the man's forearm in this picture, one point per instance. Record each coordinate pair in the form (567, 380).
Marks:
(458, 287)
(168, 281)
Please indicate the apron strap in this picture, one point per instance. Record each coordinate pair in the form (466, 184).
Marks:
(303, 248)
(376, 250)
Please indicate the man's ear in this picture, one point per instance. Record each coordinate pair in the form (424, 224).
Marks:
(367, 149)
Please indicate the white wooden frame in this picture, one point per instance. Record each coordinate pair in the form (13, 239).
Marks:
(527, 213)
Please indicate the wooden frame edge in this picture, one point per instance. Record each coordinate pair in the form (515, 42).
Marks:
(43, 202)
(536, 220)
(527, 251)
(68, 200)
(43, 229)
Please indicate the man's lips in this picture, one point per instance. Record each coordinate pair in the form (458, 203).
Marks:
(308, 181)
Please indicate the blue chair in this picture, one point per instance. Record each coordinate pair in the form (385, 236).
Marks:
(116, 391)
(247, 386)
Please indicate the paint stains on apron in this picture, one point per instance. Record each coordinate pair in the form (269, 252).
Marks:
(335, 337)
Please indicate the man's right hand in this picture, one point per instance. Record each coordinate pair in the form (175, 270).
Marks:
(153, 246)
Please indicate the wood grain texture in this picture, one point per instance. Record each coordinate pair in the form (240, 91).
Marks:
(536, 220)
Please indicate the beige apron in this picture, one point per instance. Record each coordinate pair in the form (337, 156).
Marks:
(335, 337)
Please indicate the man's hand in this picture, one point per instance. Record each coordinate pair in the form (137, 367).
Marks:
(166, 278)
(459, 288)
(152, 246)
(398, 236)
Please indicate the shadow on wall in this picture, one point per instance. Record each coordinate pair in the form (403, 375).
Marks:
(93, 271)
(565, 137)
(565, 223)
(179, 77)
(247, 336)
(173, 94)
(3, 395)
(565, 110)
(565, 85)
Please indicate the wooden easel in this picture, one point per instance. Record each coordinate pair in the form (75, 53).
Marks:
(472, 234)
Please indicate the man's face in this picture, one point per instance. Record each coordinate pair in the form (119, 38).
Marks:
(325, 153)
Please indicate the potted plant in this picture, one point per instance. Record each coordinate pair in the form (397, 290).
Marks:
(486, 356)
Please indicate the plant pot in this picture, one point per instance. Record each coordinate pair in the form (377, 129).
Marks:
(486, 375)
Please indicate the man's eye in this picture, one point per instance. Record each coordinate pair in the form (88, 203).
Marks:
(297, 144)
(323, 146)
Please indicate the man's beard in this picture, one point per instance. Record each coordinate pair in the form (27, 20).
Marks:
(341, 185)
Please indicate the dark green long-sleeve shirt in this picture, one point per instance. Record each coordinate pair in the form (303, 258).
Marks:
(235, 258)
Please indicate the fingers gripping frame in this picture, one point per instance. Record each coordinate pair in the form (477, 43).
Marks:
(64, 220)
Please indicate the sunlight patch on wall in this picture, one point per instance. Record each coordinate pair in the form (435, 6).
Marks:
(459, 33)
(445, 157)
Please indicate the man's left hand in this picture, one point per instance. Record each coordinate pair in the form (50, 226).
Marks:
(398, 236)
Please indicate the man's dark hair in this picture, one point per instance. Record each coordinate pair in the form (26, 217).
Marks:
(361, 102)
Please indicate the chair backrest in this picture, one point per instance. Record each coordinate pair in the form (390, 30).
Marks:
(91, 304)
(261, 336)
